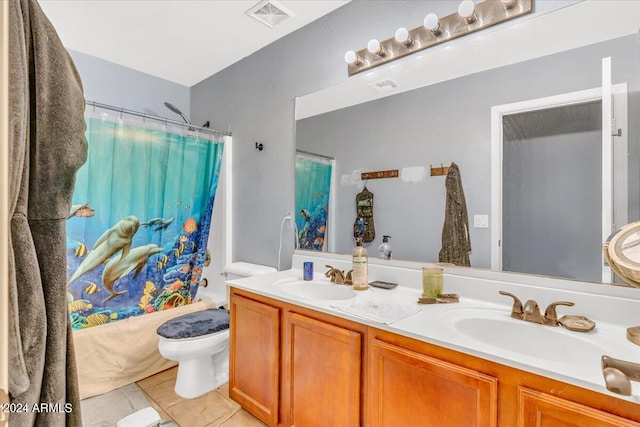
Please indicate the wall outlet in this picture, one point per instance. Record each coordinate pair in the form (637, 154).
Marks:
(481, 221)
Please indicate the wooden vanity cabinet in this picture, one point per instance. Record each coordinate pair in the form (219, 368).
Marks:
(254, 357)
(321, 373)
(411, 389)
(428, 379)
(536, 409)
(292, 366)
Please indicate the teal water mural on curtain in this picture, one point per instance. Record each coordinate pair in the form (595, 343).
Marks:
(313, 187)
(137, 232)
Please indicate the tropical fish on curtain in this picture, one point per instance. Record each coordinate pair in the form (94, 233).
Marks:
(138, 228)
(313, 187)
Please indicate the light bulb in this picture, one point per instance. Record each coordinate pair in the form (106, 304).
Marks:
(432, 23)
(352, 58)
(402, 36)
(467, 11)
(374, 46)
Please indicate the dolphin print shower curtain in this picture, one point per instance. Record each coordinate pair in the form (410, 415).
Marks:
(138, 228)
(313, 189)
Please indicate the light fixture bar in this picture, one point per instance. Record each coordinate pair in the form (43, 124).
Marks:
(487, 13)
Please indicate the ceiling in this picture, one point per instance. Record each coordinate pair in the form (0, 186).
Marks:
(184, 41)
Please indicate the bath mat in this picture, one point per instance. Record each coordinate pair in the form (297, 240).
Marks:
(107, 409)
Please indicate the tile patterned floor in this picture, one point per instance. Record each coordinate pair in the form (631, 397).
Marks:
(213, 409)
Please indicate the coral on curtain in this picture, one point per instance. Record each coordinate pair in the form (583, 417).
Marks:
(313, 188)
(138, 228)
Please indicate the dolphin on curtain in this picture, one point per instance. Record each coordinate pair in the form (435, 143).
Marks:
(113, 240)
(119, 267)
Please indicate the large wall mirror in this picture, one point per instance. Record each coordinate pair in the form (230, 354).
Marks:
(542, 78)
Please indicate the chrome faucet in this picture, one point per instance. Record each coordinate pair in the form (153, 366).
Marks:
(530, 312)
(618, 374)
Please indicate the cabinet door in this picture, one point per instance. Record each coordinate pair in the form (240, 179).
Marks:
(254, 358)
(321, 374)
(410, 389)
(536, 409)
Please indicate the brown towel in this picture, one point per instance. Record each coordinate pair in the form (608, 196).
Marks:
(456, 243)
(46, 148)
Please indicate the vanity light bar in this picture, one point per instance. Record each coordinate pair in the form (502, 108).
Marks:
(469, 18)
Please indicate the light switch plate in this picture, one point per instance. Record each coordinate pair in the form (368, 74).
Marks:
(481, 221)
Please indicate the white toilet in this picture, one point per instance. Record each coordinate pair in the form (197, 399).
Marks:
(199, 341)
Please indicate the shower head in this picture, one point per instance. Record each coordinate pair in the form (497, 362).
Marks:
(177, 111)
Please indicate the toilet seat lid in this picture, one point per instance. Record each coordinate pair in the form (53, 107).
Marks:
(195, 324)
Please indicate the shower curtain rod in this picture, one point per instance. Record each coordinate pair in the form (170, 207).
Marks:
(310, 154)
(158, 118)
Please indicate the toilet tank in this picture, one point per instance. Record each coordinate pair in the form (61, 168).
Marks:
(239, 270)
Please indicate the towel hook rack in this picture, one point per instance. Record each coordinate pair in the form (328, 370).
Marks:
(392, 173)
(439, 171)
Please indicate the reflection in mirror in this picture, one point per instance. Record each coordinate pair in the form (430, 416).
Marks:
(542, 180)
(450, 121)
(314, 180)
(622, 253)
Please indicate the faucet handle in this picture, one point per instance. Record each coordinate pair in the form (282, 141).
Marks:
(335, 275)
(618, 375)
(630, 369)
(516, 312)
(550, 314)
(348, 279)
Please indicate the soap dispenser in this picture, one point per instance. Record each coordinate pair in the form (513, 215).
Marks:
(360, 267)
(384, 250)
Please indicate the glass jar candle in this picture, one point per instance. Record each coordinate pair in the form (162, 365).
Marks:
(431, 282)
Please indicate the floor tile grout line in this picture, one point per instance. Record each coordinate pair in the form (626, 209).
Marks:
(170, 406)
(161, 382)
(162, 409)
(220, 423)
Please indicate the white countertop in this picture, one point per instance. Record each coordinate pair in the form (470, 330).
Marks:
(468, 327)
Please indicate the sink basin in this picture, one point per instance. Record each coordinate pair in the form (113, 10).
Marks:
(316, 289)
(497, 329)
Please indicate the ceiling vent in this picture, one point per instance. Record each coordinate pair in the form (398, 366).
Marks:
(269, 13)
(384, 85)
